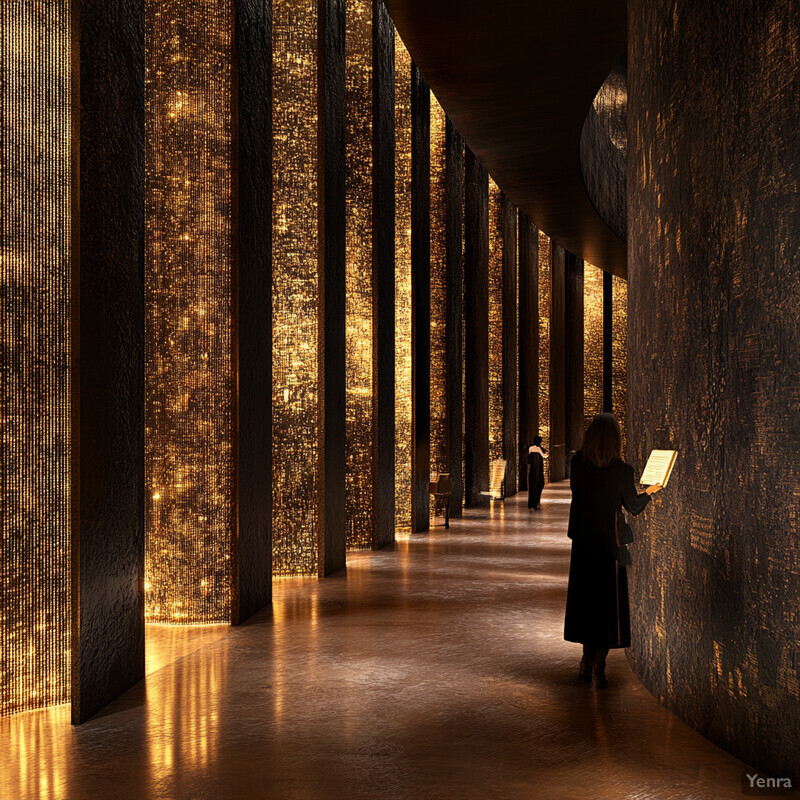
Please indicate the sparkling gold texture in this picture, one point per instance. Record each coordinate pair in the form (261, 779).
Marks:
(619, 356)
(592, 342)
(296, 289)
(402, 93)
(35, 226)
(438, 290)
(188, 377)
(359, 310)
(495, 322)
(545, 306)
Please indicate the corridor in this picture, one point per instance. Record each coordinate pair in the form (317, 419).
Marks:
(435, 670)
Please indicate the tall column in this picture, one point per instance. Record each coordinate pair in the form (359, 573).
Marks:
(454, 279)
(476, 342)
(574, 347)
(608, 341)
(252, 340)
(420, 299)
(510, 355)
(383, 272)
(528, 341)
(108, 354)
(558, 388)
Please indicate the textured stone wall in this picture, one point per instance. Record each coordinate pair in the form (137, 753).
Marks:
(714, 230)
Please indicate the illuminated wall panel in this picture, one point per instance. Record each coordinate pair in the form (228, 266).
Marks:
(495, 321)
(35, 231)
(189, 382)
(592, 342)
(438, 295)
(295, 328)
(545, 308)
(359, 474)
(403, 361)
(619, 356)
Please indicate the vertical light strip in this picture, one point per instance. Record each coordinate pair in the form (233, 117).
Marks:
(359, 475)
(35, 238)
(438, 289)
(295, 289)
(592, 342)
(619, 356)
(188, 373)
(495, 321)
(402, 94)
(545, 308)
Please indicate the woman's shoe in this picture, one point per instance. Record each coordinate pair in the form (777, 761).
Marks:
(599, 677)
(585, 670)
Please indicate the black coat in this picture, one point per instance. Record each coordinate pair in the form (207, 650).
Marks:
(597, 597)
(535, 479)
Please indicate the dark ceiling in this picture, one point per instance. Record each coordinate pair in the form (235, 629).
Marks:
(518, 77)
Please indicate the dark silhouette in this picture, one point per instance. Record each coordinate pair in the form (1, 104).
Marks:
(597, 599)
(536, 457)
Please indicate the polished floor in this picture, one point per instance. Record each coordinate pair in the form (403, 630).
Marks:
(432, 671)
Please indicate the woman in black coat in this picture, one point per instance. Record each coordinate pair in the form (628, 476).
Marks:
(536, 457)
(597, 598)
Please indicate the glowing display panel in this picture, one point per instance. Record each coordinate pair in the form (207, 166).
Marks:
(495, 322)
(403, 416)
(438, 289)
(545, 307)
(359, 310)
(592, 342)
(619, 356)
(188, 374)
(35, 234)
(295, 290)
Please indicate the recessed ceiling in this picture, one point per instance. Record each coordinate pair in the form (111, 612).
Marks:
(517, 78)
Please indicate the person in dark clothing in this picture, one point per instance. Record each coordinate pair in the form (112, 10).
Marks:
(597, 613)
(536, 457)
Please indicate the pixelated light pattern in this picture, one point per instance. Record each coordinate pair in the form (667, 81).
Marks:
(545, 307)
(438, 289)
(592, 342)
(359, 304)
(188, 326)
(403, 406)
(35, 231)
(495, 321)
(619, 356)
(296, 451)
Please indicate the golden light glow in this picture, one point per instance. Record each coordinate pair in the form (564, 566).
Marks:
(359, 309)
(188, 374)
(495, 322)
(295, 290)
(592, 342)
(545, 306)
(35, 245)
(403, 419)
(438, 289)
(619, 356)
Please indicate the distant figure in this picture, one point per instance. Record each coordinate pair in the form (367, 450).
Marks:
(597, 598)
(536, 457)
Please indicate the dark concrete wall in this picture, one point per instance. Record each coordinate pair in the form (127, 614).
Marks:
(108, 355)
(528, 341)
(714, 355)
(476, 341)
(558, 386)
(454, 397)
(420, 300)
(383, 268)
(509, 212)
(573, 301)
(332, 209)
(252, 556)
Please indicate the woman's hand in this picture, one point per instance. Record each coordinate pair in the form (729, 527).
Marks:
(656, 487)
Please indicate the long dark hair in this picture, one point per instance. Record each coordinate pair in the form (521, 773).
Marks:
(602, 442)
